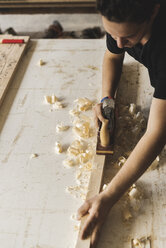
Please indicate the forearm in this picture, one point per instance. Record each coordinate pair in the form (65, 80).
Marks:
(112, 68)
(140, 159)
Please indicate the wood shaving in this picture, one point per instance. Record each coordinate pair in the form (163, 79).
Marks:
(58, 148)
(58, 105)
(50, 99)
(137, 243)
(74, 112)
(69, 163)
(121, 161)
(41, 62)
(34, 155)
(104, 187)
(132, 108)
(135, 192)
(83, 104)
(61, 127)
(74, 217)
(126, 214)
(82, 129)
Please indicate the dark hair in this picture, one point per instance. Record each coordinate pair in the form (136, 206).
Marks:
(136, 11)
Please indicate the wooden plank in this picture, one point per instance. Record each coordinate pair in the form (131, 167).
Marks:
(93, 189)
(35, 208)
(10, 55)
(29, 128)
(42, 6)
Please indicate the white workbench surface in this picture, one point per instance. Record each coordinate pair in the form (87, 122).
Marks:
(35, 210)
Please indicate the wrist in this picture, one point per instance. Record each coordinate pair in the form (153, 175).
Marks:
(106, 97)
(109, 197)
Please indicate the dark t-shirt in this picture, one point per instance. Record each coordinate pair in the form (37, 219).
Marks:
(152, 54)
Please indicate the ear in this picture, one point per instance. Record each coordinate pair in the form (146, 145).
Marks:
(155, 11)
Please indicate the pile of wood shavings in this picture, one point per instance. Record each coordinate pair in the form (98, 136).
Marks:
(81, 152)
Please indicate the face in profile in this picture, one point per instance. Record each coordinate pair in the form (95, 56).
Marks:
(126, 34)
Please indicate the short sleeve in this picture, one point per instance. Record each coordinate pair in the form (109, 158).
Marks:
(160, 85)
(160, 89)
(112, 46)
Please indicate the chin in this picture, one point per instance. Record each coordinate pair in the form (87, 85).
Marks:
(130, 46)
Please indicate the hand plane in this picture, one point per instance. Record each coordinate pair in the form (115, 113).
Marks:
(105, 137)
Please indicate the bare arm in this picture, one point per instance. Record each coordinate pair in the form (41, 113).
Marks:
(112, 69)
(149, 146)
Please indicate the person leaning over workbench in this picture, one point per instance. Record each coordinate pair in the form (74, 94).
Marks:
(138, 28)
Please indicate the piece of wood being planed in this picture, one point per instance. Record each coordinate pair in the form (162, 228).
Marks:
(93, 189)
(10, 57)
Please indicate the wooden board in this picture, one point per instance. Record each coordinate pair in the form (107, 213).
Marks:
(35, 208)
(35, 195)
(10, 55)
(93, 189)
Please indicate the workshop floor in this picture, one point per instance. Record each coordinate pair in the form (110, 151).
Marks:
(36, 25)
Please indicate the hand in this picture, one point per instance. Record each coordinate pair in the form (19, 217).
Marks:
(98, 208)
(98, 114)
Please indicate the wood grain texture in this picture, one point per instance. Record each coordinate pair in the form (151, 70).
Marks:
(10, 56)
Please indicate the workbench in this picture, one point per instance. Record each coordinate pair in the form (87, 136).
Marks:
(35, 209)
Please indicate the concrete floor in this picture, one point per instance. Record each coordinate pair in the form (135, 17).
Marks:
(36, 24)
